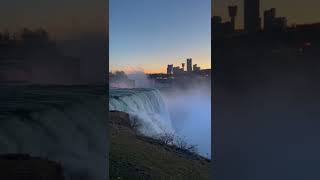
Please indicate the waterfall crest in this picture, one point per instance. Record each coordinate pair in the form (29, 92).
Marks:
(144, 105)
(63, 124)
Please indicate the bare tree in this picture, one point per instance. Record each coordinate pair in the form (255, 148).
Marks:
(182, 144)
(166, 138)
(192, 148)
(179, 142)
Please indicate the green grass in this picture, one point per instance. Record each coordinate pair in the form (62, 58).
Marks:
(135, 157)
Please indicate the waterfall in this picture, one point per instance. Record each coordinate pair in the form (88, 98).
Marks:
(146, 106)
(67, 125)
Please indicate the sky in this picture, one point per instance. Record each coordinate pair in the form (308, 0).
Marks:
(79, 26)
(146, 35)
(63, 19)
(296, 11)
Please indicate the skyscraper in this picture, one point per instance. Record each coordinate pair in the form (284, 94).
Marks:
(189, 65)
(183, 66)
(252, 20)
(233, 13)
(170, 69)
(269, 17)
(273, 23)
(196, 68)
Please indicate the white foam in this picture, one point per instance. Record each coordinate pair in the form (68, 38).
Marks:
(76, 136)
(144, 105)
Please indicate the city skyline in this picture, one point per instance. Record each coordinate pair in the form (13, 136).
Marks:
(171, 32)
(308, 10)
(182, 65)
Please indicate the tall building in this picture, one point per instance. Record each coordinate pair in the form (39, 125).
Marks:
(268, 19)
(196, 68)
(280, 24)
(233, 13)
(189, 65)
(252, 20)
(273, 23)
(182, 64)
(170, 69)
(177, 70)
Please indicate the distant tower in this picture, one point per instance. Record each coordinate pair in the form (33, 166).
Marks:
(273, 23)
(269, 18)
(189, 65)
(195, 67)
(233, 13)
(170, 69)
(252, 20)
(182, 64)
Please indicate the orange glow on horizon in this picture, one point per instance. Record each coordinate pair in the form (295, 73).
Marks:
(164, 70)
(152, 70)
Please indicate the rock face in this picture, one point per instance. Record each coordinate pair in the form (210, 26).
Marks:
(23, 166)
(119, 118)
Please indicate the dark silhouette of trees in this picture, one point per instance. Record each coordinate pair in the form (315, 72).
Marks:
(27, 42)
(24, 44)
(118, 76)
(37, 35)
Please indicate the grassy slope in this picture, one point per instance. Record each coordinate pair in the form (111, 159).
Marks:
(135, 157)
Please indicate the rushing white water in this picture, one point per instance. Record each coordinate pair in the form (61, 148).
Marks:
(62, 124)
(186, 113)
(146, 106)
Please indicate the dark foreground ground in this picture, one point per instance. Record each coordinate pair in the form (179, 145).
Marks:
(266, 107)
(137, 158)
